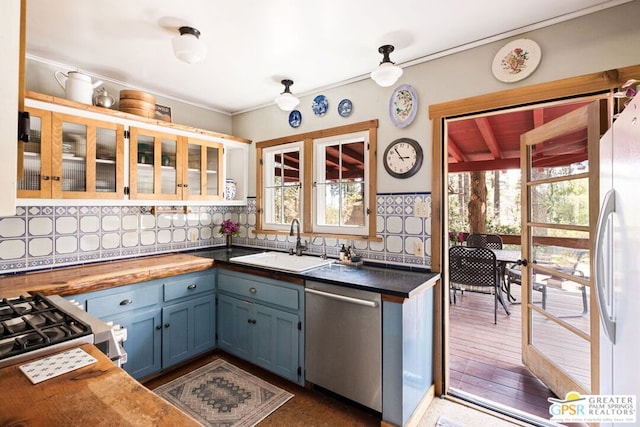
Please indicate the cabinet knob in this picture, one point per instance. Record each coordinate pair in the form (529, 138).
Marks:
(166, 325)
(248, 320)
(192, 286)
(46, 178)
(55, 178)
(253, 321)
(126, 302)
(159, 327)
(253, 290)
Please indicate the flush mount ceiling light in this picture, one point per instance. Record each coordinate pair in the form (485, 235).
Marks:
(286, 101)
(387, 72)
(188, 47)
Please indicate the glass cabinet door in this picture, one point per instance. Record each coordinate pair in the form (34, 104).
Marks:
(154, 165)
(87, 158)
(35, 179)
(72, 157)
(203, 172)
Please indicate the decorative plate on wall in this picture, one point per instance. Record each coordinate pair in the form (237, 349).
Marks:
(320, 105)
(403, 105)
(516, 61)
(345, 107)
(295, 118)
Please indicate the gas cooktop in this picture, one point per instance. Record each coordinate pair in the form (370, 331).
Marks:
(34, 322)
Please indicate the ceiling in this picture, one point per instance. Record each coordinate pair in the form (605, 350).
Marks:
(253, 45)
(492, 142)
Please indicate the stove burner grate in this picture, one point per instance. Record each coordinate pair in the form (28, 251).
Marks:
(30, 323)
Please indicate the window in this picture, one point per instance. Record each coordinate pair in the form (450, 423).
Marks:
(339, 184)
(325, 179)
(282, 185)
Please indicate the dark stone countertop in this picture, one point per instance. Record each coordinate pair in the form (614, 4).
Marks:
(384, 280)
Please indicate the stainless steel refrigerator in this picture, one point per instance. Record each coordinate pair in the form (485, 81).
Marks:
(617, 256)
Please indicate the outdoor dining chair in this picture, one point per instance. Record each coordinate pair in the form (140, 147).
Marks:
(476, 270)
(478, 240)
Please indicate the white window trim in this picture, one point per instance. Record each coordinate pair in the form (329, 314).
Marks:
(319, 167)
(266, 155)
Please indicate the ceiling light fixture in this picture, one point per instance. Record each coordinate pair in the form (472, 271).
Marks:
(387, 72)
(188, 47)
(286, 101)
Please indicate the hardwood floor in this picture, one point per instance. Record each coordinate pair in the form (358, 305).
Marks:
(307, 407)
(486, 359)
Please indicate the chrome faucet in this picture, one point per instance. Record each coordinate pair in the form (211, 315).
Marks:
(299, 246)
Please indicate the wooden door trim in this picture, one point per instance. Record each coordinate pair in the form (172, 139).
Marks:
(569, 87)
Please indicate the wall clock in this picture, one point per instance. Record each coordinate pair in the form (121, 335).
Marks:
(403, 158)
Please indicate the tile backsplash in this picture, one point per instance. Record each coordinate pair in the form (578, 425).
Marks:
(40, 237)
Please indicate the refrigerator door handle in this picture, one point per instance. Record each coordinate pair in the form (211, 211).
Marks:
(608, 208)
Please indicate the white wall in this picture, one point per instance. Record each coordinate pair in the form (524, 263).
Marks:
(40, 78)
(596, 42)
(9, 72)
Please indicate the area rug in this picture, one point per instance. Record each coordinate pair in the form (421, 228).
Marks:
(220, 394)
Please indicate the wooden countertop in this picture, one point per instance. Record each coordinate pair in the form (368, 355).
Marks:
(93, 277)
(100, 394)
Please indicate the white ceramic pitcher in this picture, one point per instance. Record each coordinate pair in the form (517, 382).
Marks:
(77, 86)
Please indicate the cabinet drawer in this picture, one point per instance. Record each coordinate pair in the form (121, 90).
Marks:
(259, 291)
(188, 285)
(142, 296)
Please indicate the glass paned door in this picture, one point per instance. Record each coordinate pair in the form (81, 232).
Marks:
(559, 317)
(74, 157)
(87, 158)
(154, 165)
(36, 173)
(204, 170)
(168, 166)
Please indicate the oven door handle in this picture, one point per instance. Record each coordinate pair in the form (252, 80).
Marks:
(343, 298)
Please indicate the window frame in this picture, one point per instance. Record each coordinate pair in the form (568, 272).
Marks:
(319, 167)
(289, 147)
(308, 159)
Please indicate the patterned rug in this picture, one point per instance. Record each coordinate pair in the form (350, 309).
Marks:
(220, 394)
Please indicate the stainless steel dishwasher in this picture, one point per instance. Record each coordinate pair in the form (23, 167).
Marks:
(343, 342)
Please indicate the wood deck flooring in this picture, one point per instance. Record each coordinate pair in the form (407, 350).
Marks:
(486, 360)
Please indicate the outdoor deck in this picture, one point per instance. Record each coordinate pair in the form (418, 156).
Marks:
(486, 360)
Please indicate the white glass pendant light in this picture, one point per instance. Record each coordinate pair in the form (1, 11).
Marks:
(286, 101)
(188, 47)
(387, 72)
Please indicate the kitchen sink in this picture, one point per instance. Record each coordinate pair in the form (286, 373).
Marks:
(282, 261)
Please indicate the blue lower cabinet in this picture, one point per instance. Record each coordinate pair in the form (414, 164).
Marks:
(168, 320)
(234, 326)
(276, 342)
(256, 326)
(188, 328)
(144, 341)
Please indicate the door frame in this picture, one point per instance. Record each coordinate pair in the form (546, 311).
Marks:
(575, 86)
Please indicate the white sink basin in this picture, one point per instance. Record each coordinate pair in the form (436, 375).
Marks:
(282, 261)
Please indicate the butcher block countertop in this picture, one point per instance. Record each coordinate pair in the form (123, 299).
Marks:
(100, 394)
(94, 277)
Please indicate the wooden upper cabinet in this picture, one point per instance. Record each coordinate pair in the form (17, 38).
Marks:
(171, 167)
(202, 178)
(70, 157)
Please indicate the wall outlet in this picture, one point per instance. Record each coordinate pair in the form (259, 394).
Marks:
(420, 209)
(418, 248)
(193, 236)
